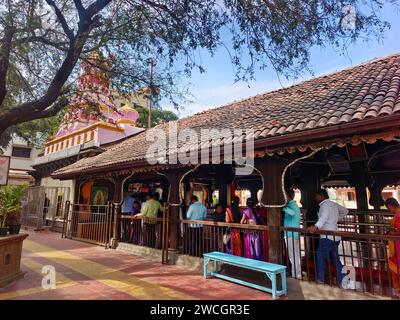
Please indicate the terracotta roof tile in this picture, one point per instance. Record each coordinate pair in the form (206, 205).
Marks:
(369, 90)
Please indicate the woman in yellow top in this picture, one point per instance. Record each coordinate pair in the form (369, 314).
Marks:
(394, 246)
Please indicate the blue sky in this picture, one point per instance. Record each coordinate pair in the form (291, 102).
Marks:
(216, 86)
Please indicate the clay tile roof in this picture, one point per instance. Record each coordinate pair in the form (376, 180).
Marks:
(368, 90)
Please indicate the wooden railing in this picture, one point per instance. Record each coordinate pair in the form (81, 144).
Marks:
(364, 256)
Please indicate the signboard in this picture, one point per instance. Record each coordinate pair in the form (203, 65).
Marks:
(4, 169)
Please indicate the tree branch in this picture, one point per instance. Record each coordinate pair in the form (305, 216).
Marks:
(5, 59)
(68, 31)
(81, 9)
(24, 111)
(39, 108)
(61, 45)
(52, 111)
(97, 6)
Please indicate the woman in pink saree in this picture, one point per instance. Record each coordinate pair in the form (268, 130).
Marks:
(252, 241)
(394, 246)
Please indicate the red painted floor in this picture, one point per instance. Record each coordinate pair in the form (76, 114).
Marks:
(87, 272)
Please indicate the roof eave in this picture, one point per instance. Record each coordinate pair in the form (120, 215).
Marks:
(380, 124)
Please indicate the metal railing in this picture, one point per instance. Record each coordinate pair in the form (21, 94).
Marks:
(198, 237)
(89, 223)
(364, 257)
(370, 221)
(141, 231)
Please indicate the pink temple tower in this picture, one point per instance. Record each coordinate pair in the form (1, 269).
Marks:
(93, 116)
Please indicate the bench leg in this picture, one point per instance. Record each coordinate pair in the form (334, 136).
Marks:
(215, 266)
(274, 286)
(272, 276)
(284, 285)
(206, 260)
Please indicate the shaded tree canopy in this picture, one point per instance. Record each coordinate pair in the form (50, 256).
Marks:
(42, 42)
(157, 116)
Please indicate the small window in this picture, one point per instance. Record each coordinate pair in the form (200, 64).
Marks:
(351, 196)
(21, 152)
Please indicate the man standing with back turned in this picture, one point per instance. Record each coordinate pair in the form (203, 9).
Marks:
(197, 211)
(328, 216)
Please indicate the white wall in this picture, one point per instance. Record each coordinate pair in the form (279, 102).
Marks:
(21, 163)
(50, 182)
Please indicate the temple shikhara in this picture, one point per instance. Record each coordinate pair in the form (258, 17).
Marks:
(92, 115)
(333, 136)
(92, 123)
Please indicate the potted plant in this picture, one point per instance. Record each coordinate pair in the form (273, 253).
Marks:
(10, 209)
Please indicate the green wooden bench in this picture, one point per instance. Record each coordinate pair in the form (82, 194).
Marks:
(271, 270)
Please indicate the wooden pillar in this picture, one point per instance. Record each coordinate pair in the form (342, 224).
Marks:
(117, 199)
(223, 196)
(224, 177)
(174, 178)
(310, 184)
(253, 188)
(376, 199)
(358, 178)
(271, 170)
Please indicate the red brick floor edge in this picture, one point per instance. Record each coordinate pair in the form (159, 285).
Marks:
(88, 272)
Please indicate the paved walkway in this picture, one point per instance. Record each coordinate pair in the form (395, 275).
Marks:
(85, 271)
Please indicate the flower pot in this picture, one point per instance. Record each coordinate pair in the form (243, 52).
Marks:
(3, 231)
(14, 229)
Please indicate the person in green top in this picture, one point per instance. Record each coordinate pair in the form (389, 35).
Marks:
(149, 213)
(292, 220)
(150, 209)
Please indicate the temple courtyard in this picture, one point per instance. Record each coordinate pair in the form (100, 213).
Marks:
(88, 272)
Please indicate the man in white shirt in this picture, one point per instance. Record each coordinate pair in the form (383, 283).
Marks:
(329, 214)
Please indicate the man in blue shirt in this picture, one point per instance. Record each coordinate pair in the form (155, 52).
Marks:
(127, 205)
(292, 220)
(126, 209)
(196, 211)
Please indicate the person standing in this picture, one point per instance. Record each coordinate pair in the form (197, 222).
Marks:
(329, 214)
(127, 205)
(232, 238)
(292, 220)
(394, 246)
(134, 235)
(251, 238)
(218, 215)
(213, 237)
(197, 211)
(126, 209)
(149, 213)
